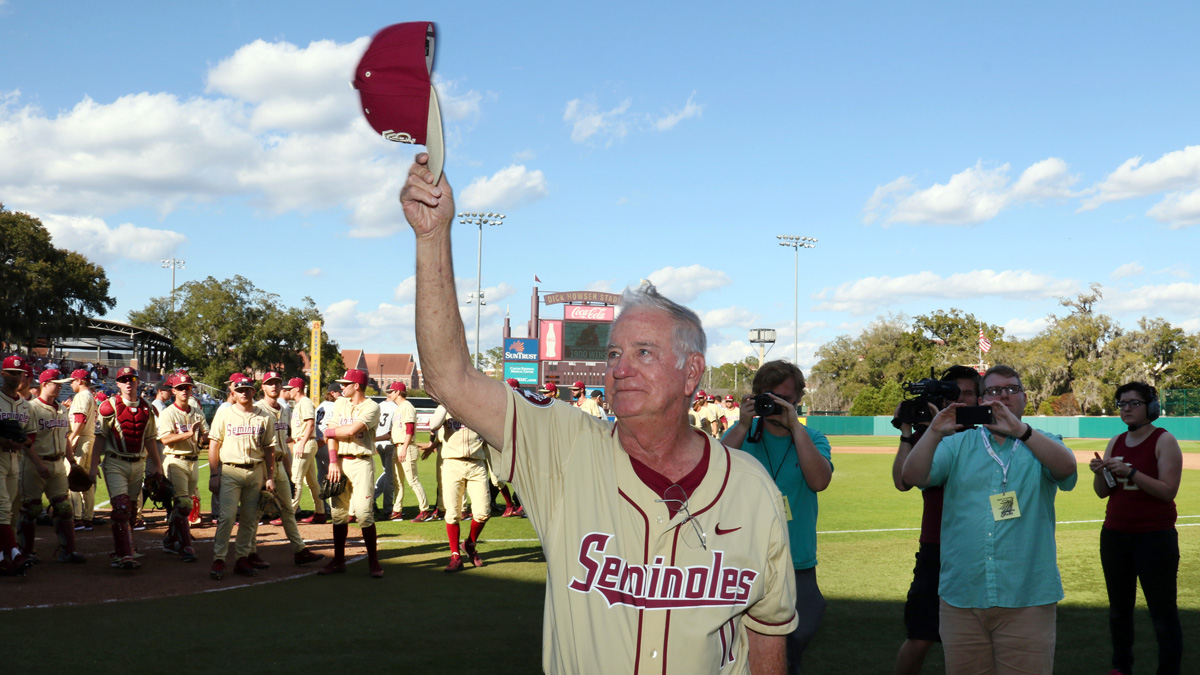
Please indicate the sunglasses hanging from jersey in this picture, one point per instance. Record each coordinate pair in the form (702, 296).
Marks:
(682, 505)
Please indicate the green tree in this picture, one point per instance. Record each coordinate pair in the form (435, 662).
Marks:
(220, 327)
(45, 290)
(866, 403)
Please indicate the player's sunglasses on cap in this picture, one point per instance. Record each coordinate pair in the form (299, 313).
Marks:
(393, 80)
(240, 381)
(126, 374)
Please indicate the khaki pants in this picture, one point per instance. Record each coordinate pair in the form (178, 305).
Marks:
(408, 467)
(184, 475)
(469, 476)
(998, 640)
(304, 472)
(84, 503)
(287, 516)
(358, 498)
(239, 501)
(123, 477)
(34, 486)
(9, 486)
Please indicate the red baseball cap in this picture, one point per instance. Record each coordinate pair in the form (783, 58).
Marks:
(80, 374)
(15, 363)
(52, 375)
(701, 394)
(578, 385)
(512, 382)
(354, 376)
(271, 375)
(126, 372)
(240, 381)
(180, 380)
(729, 397)
(398, 99)
(550, 387)
(101, 397)
(398, 386)
(295, 383)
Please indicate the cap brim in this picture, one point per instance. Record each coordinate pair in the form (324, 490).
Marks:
(62, 381)
(435, 145)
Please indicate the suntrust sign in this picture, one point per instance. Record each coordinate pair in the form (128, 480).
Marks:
(588, 313)
(520, 349)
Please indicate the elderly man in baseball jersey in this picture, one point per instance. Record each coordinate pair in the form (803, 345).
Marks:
(127, 437)
(16, 416)
(351, 439)
(182, 430)
(44, 470)
(304, 449)
(241, 453)
(666, 552)
(280, 418)
(82, 438)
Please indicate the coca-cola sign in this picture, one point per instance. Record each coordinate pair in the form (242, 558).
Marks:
(588, 313)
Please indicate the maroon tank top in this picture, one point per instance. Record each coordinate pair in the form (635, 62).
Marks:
(1130, 509)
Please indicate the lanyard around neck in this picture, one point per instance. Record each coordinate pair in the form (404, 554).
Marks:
(987, 443)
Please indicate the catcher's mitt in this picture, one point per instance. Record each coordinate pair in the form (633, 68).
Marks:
(78, 479)
(159, 490)
(11, 430)
(268, 505)
(329, 489)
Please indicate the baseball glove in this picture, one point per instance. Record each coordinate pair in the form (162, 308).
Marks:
(78, 479)
(268, 505)
(329, 489)
(11, 430)
(158, 489)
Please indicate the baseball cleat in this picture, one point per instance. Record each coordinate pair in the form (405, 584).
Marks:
(376, 570)
(508, 511)
(74, 557)
(469, 547)
(139, 524)
(305, 556)
(257, 562)
(218, 570)
(396, 515)
(187, 555)
(126, 563)
(83, 525)
(332, 567)
(455, 564)
(244, 568)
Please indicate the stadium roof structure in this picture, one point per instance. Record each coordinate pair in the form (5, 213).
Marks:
(149, 346)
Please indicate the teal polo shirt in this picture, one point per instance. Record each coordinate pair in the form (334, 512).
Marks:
(990, 563)
(777, 454)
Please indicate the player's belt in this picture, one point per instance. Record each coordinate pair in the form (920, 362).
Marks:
(247, 465)
(186, 458)
(53, 458)
(127, 458)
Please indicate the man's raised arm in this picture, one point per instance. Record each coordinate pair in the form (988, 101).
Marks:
(472, 397)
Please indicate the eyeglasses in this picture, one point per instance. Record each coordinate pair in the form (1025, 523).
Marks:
(1131, 405)
(683, 506)
(1007, 389)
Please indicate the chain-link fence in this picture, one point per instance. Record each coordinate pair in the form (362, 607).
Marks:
(1181, 403)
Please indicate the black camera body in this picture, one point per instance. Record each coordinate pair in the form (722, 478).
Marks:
(765, 406)
(915, 411)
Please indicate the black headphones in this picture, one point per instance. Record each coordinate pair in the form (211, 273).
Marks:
(1153, 407)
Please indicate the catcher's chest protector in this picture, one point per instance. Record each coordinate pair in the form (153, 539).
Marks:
(131, 420)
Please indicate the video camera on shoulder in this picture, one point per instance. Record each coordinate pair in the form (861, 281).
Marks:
(915, 410)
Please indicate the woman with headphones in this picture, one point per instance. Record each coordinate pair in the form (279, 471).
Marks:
(1139, 475)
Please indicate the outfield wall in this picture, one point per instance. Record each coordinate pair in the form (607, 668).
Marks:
(1184, 428)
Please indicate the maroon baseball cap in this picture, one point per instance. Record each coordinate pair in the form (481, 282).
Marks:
(398, 386)
(15, 363)
(101, 397)
(393, 80)
(240, 381)
(550, 387)
(80, 374)
(52, 375)
(271, 375)
(126, 372)
(512, 382)
(729, 397)
(180, 380)
(295, 383)
(577, 385)
(354, 376)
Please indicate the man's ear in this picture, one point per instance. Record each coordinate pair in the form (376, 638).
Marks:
(694, 365)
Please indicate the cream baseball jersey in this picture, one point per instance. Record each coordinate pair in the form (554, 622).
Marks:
(281, 423)
(591, 407)
(346, 413)
(458, 442)
(629, 588)
(175, 420)
(50, 423)
(303, 410)
(84, 403)
(16, 409)
(405, 414)
(244, 436)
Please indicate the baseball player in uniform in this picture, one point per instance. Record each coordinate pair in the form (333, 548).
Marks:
(666, 552)
(404, 430)
(280, 418)
(82, 438)
(385, 482)
(464, 470)
(182, 430)
(14, 413)
(591, 406)
(241, 459)
(127, 436)
(304, 449)
(351, 439)
(44, 470)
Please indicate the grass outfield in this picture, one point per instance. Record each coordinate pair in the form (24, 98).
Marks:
(1082, 444)
(418, 619)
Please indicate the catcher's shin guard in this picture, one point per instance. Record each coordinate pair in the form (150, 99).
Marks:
(27, 525)
(179, 520)
(122, 534)
(64, 523)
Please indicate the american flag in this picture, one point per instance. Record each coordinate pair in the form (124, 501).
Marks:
(985, 345)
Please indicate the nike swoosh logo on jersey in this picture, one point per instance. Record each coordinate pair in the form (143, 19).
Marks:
(722, 531)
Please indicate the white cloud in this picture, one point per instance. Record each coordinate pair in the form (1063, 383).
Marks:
(868, 294)
(689, 110)
(1025, 328)
(406, 291)
(1179, 298)
(1190, 326)
(314, 272)
(1179, 209)
(508, 188)
(728, 317)
(1172, 172)
(95, 239)
(974, 195)
(1131, 269)
(349, 326)
(587, 120)
(456, 105)
(683, 284)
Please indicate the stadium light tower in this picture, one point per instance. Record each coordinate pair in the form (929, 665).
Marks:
(797, 243)
(479, 220)
(174, 265)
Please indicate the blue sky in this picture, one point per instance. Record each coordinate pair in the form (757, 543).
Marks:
(990, 158)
